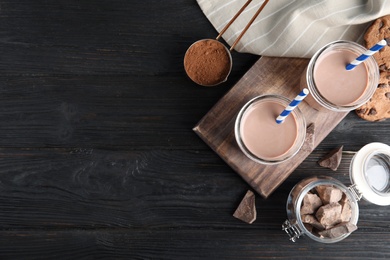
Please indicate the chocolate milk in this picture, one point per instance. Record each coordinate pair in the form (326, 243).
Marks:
(262, 135)
(336, 84)
(334, 88)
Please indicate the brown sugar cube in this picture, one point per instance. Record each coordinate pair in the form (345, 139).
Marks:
(246, 211)
(310, 219)
(311, 202)
(346, 212)
(329, 215)
(332, 159)
(339, 230)
(329, 194)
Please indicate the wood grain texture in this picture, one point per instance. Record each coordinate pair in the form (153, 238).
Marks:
(175, 244)
(268, 76)
(98, 159)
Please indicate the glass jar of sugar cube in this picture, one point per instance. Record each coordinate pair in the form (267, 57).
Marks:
(325, 210)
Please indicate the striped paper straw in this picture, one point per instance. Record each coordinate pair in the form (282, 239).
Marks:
(298, 99)
(366, 55)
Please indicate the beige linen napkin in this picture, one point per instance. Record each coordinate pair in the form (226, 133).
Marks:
(294, 28)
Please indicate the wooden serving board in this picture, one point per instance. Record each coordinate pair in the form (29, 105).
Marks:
(267, 76)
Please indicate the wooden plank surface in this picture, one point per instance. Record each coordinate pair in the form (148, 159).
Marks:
(98, 159)
(268, 76)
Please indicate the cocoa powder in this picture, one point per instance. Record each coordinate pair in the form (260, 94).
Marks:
(207, 62)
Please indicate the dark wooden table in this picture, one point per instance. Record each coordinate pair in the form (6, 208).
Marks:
(97, 154)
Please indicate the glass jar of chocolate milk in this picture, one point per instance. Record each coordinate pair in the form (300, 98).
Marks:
(370, 177)
(331, 85)
(258, 135)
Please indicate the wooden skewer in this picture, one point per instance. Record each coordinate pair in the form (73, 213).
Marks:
(233, 19)
(248, 25)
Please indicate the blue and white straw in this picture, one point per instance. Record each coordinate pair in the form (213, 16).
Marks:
(298, 99)
(366, 55)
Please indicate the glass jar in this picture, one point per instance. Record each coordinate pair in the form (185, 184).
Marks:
(277, 140)
(370, 177)
(316, 100)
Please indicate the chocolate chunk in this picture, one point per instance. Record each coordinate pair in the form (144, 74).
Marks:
(372, 112)
(311, 202)
(310, 219)
(329, 194)
(308, 227)
(332, 159)
(346, 212)
(334, 214)
(361, 110)
(382, 85)
(309, 140)
(329, 215)
(387, 95)
(246, 211)
(339, 230)
(320, 189)
(383, 67)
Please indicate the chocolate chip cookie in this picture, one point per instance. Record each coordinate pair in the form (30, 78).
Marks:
(379, 30)
(378, 107)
